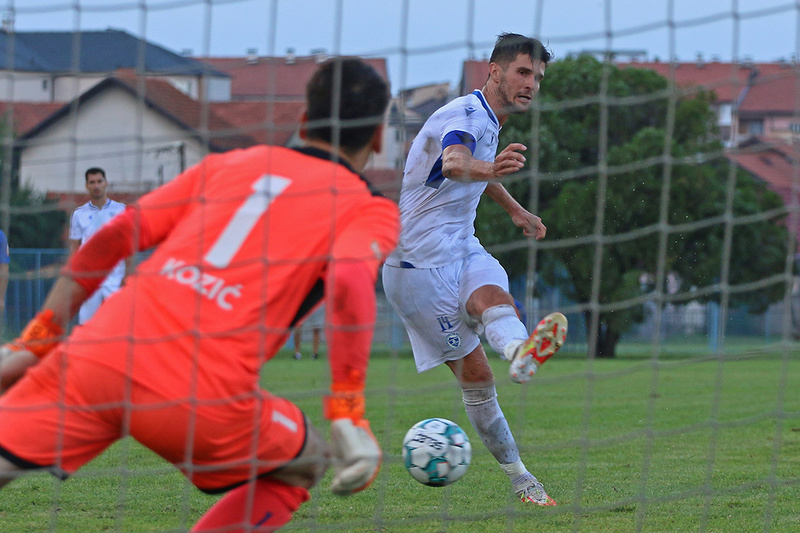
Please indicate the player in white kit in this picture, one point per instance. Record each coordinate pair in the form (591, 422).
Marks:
(446, 288)
(85, 221)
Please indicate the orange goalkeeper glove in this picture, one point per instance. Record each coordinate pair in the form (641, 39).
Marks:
(357, 456)
(40, 336)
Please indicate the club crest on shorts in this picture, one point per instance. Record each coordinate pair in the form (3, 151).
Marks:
(453, 340)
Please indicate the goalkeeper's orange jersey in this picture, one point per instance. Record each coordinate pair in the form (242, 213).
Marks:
(244, 242)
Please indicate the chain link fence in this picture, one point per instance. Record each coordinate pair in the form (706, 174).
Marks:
(33, 271)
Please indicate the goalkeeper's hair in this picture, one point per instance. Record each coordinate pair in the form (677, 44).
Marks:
(509, 45)
(346, 101)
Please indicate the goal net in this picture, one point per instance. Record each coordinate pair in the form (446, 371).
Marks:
(661, 154)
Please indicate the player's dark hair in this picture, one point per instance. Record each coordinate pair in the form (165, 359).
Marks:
(94, 170)
(509, 45)
(346, 100)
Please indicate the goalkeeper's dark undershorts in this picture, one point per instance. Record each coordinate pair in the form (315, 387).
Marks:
(61, 423)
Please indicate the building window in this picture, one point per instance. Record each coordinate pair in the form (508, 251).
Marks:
(44, 84)
(753, 127)
(795, 127)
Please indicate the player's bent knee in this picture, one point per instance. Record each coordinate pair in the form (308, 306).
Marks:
(498, 312)
(504, 330)
(310, 466)
(486, 297)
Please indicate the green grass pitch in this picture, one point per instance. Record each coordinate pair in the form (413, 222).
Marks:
(683, 443)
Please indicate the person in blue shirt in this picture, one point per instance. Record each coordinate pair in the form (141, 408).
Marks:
(5, 259)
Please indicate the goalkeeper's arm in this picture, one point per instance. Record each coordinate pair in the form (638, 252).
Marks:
(88, 267)
(129, 232)
(79, 278)
(350, 323)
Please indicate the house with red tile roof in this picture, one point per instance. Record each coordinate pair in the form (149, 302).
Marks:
(24, 116)
(733, 84)
(267, 94)
(57, 66)
(758, 109)
(771, 106)
(408, 111)
(144, 113)
(730, 82)
(274, 79)
(268, 98)
(776, 162)
(142, 131)
(273, 123)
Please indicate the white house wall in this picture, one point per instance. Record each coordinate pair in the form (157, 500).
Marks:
(725, 114)
(67, 88)
(392, 153)
(218, 89)
(25, 87)
(138, 148)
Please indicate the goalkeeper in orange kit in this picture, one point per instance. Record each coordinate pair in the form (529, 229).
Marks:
(246, 244)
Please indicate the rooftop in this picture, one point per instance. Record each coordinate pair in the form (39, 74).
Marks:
(90, 52)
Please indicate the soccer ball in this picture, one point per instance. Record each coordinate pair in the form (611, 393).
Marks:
(436, 452)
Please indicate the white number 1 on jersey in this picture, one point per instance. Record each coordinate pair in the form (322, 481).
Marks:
(265, 190)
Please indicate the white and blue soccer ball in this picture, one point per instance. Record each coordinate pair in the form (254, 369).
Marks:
(436, 452)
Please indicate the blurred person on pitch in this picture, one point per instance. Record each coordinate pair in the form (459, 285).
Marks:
(5, 260)
(444, 286)
(174, 358)
(315, 323)
(86, 220)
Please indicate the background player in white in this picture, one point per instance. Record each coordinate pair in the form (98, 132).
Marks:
(315, 323)
(446, 288)
(5, 259)
(85, 222)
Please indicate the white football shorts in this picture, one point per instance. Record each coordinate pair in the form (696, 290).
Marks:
(315, 320)
(432, 305)
(92, 304)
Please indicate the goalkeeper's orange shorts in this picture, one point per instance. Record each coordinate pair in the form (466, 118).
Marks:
(61, 423)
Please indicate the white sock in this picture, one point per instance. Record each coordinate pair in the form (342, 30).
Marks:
(515, 469)
(504, 330)
(490, 423)
(518, 475)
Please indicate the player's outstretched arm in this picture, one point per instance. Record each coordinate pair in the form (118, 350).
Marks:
(88, 266)
(40, 336)
(522, 218)
(458, 163)
(82, 274)
(13, 365)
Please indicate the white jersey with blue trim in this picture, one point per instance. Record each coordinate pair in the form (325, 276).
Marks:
(85, 222)
(437, 215)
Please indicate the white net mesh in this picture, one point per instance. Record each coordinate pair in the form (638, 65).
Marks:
(670, 248)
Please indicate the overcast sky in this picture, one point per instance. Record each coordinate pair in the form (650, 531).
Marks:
(436, 35)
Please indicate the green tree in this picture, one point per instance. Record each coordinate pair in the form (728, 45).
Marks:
(31, 220)
(36, 222)
(638, 152)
